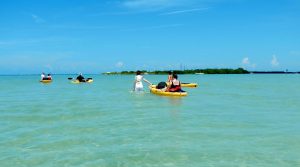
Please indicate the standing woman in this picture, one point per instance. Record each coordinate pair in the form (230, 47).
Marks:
(138, 84)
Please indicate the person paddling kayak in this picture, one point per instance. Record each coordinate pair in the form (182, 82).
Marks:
(175, 85)
(170, 77)
(80, 78)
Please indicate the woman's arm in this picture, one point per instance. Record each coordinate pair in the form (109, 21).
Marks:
(147, 81)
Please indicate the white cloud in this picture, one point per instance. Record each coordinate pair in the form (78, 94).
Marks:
(246, 61)
(6, 43)
(274, 61)
(154, 27)
(119, 64)
(149, 3)
(79, 27)
(184, 11)
(11, 43)
(176, 5)
(295, 53)
(32, 41)
(37, 19)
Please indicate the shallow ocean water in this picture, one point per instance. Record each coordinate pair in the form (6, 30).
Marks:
(229, 120)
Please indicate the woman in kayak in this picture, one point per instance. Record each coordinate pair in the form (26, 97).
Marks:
(43, 76)
(175, 85)
(138, 84)
(49, 77)
(170, 77)
(80, 78)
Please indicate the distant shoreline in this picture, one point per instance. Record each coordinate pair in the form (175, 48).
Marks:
(273, 72)
(165, 72)
(202, 71)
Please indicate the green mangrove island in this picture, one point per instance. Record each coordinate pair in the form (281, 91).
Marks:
(195, 71)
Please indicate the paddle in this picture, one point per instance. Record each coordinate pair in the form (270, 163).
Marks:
(70, 78)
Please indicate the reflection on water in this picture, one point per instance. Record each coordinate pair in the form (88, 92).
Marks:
(138, 98)
(176, 101)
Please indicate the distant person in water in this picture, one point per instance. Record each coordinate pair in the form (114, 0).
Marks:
(43, 76)
(175, 85)
(49, 77)
(138, 84)
(80, 78)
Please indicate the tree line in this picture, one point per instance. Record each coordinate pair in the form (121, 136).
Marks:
(195, 71)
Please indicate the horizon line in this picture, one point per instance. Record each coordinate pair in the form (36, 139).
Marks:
(102, 73)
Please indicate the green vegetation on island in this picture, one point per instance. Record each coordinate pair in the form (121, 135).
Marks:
(195, 71)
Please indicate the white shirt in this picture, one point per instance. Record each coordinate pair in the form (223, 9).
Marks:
(175, 82)
(42, 76)
(138, 81)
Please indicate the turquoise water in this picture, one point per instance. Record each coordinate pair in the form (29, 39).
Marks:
(229, 120)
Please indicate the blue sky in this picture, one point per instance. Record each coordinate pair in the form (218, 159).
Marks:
(92, 36)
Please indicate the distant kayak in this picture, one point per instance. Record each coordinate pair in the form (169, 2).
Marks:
(45, 81)
(77, 82)
(163, 93)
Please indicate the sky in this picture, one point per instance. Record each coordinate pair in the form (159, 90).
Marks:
(94, 36)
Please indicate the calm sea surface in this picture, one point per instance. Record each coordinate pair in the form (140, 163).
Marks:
(229, 120)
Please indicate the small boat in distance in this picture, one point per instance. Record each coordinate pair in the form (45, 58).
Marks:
(46, 81)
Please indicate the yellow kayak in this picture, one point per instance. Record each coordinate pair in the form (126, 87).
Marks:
(77, 82)
(163, 93)
(45, 81)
